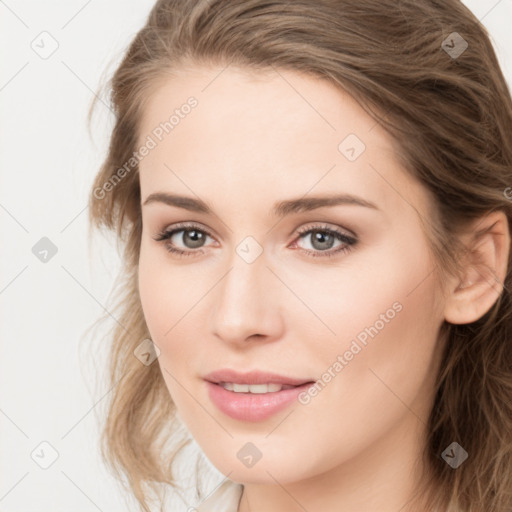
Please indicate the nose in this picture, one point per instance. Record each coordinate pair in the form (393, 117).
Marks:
(246, 303)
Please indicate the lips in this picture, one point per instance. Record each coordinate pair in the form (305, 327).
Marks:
(253, 377)
(249, 407)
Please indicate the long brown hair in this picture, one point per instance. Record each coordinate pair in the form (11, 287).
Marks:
(448, 110)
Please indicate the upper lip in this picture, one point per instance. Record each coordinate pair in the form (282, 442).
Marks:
(252, 377)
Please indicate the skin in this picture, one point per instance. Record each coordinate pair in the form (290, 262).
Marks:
(253, 140)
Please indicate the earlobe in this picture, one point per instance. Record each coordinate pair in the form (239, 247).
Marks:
(485, 267)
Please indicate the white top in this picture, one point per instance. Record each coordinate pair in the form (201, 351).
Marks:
(225, 499)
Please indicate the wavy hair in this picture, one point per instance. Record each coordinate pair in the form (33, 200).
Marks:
(450, 120)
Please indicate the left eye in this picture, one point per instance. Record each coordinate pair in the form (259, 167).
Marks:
(323, 238)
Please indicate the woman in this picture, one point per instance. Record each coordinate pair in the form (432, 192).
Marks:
(313, 198)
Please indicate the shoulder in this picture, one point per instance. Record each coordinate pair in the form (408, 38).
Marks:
(226, 498)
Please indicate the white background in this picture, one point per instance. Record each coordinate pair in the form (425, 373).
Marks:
(49, 390)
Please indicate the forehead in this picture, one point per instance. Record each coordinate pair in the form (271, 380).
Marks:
(276, 130)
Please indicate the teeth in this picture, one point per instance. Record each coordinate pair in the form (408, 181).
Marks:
(254, 388)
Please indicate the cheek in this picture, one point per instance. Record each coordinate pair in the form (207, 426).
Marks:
(387, 320)
(162, 287)
(387, 328)
(163, 302)
(393, 315)
(385, 292)
(158, 290)
(172, 298)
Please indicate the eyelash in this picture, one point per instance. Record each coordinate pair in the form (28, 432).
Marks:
(342, 237)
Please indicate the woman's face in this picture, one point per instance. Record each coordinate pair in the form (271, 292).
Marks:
(275, 278)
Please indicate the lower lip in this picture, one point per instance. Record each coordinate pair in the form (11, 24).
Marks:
(253, 406)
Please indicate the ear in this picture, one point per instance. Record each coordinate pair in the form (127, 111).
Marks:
(484, 270)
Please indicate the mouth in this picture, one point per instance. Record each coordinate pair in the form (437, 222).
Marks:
(253, 378)
(253, 402)
(257, 389)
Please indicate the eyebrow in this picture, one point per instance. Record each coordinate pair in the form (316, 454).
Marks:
(280, 209)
